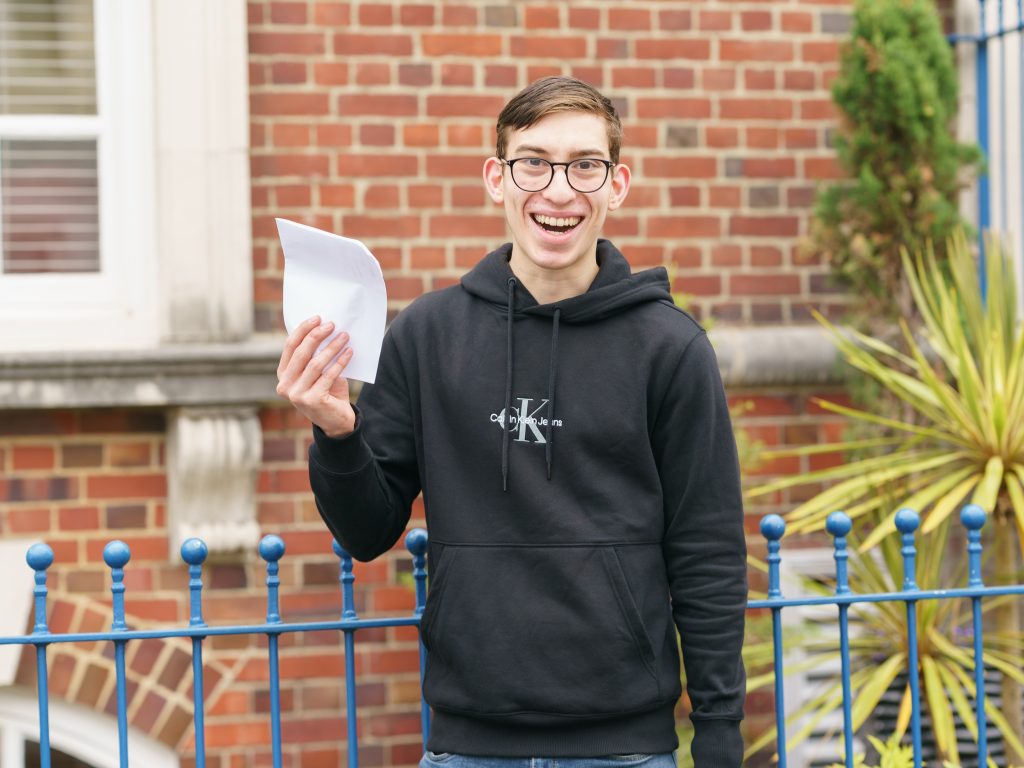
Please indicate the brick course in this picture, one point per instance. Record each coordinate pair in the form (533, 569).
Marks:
(751, 96)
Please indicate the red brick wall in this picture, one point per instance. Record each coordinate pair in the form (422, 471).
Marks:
(373, 119)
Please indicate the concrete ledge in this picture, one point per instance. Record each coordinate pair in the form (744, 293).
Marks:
(779, 355)
(246, 372)
(186, 374)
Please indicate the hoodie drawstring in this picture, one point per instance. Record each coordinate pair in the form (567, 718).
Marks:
(508, 387)
(549, 435)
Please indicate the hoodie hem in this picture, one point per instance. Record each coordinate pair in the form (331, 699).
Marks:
(650, 731)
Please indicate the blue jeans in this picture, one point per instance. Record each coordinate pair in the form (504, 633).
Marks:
(448, 760)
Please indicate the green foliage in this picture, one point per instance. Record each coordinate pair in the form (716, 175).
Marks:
(964, 391)
(891, 754)
(897, 95)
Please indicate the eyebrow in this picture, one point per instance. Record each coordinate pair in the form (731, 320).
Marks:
(578, 153)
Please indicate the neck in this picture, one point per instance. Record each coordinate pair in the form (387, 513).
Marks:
(548, 286)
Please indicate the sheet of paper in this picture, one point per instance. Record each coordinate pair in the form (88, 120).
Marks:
(338, 279)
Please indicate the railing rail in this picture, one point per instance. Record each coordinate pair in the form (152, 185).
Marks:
(838, 526)
(117, 554)
(272, 548)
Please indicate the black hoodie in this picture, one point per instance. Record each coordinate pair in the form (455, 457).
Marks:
(582, 495)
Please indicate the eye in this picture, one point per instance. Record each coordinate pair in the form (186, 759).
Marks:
(585, 165)
(533, 163)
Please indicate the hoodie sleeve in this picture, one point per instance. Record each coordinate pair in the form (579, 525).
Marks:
(364, 484)
(704, 548)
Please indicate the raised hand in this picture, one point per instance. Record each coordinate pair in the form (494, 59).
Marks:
(314, 384)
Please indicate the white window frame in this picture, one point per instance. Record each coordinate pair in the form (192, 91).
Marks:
(115, 307)
(175, 215)
(75, 731)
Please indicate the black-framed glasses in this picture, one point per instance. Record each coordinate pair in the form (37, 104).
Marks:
(533, 174)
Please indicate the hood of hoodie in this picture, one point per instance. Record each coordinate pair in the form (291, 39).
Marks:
(614, 289)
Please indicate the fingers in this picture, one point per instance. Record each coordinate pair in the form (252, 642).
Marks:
(293, 340)
(318, 365)
(299, 350)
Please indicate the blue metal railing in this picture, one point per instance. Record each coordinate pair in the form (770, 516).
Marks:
(271, 549)
(838, 525)
(193, 552)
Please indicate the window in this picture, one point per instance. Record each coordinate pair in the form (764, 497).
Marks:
(77, 239)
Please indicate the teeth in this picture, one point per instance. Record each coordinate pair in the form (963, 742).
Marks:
(551, 221)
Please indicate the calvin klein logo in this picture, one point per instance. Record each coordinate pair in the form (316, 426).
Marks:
(525, 420)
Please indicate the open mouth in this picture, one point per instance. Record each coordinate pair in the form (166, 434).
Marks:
(556, 225)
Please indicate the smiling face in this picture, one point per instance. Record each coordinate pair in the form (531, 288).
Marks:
(555, 231)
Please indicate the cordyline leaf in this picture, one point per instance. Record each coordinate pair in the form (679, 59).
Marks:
(902, 426)
(832, 473)
(942, 719)
(996, 717)
(852, 445)
(852, 489)
(1016, 493)
(951, 501)
(950, 399)
(954, 652)
(920, 500)
(905, 713)
(956, 694)
(876, 685)
(998, 720)
(987, 492)
(1006, 663)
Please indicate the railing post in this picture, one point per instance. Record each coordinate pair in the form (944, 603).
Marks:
(348, 611)
(116, 555)
(40, 557)
(416, 543)
(973, 518)
(907, 521)
(271, 549)
(193, 552)
(838, 525)
(772, 528)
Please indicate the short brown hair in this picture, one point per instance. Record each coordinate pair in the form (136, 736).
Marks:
(557, 94)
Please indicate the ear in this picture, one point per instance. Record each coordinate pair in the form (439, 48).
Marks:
(620, 186)
(494, 178)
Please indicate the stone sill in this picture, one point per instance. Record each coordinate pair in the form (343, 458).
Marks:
(246, 372)
(173, 375)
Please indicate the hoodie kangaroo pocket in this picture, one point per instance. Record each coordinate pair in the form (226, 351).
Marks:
(547, 630)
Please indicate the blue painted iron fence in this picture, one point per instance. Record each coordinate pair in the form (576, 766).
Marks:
(193, 552)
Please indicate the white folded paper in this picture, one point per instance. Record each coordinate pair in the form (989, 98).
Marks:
(338, 279)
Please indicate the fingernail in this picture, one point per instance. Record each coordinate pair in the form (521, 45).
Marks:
(328, 326)
(344, 337)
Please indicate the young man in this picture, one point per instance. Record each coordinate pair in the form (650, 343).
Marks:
(567, 426)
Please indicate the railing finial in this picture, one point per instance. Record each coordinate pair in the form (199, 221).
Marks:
(271, 549)
(347, 578)
(838, 524)
(116, 555)
(193, 552)
(40, 557)
(907, 521)
(772, 528)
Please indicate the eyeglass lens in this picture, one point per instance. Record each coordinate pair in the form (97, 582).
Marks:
(533, 174)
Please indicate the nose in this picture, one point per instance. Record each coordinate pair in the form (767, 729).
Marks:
(559, 189)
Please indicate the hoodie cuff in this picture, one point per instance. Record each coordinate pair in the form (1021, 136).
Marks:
(717, 744)
(340, 455)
